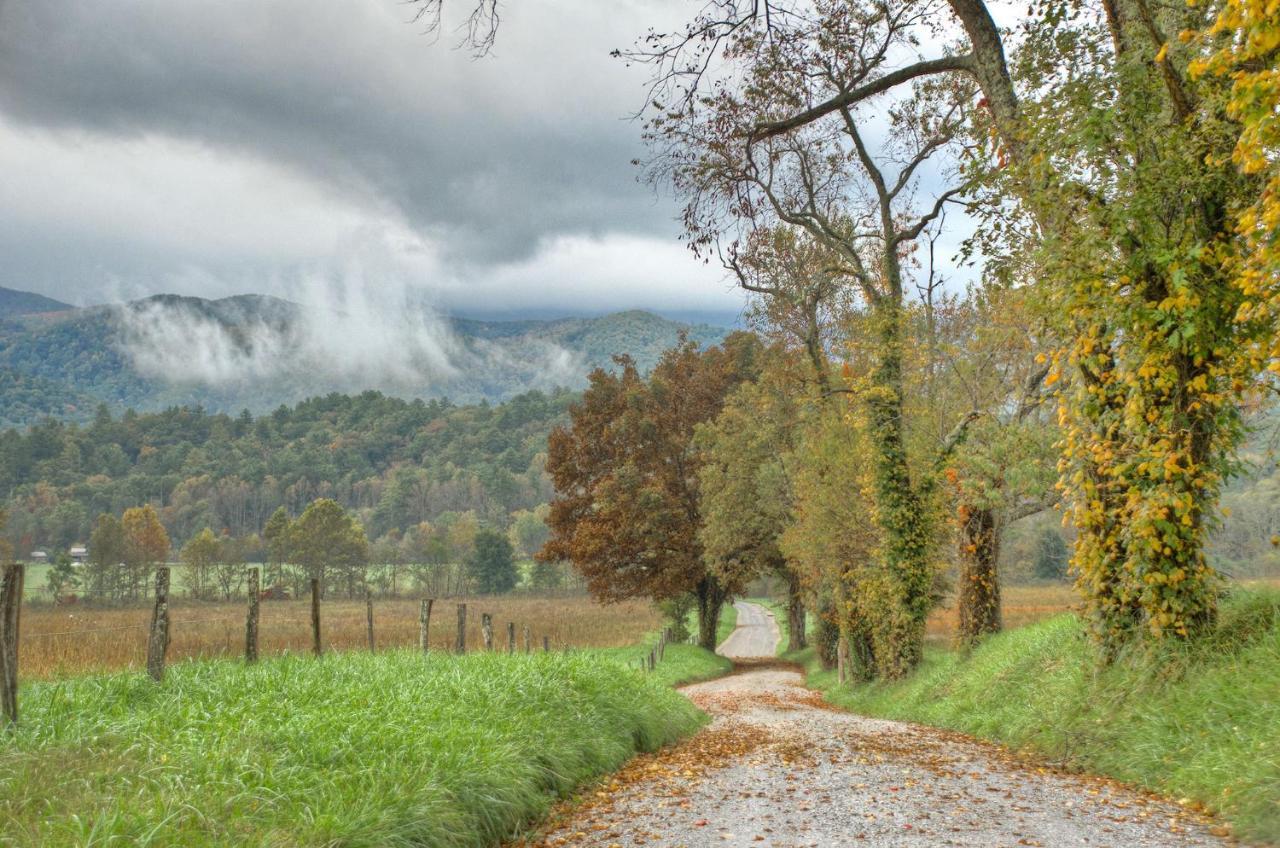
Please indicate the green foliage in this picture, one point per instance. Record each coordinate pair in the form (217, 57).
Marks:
(391, 749)
(492, 568)
(327, 544)
(1186, 720)
(677, 611)
(199, 555)
(61, 577)
(233, 472)
(1051, 555)
(106, 555)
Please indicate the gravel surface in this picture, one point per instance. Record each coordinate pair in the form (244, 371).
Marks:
(756, 635)
(778, 767)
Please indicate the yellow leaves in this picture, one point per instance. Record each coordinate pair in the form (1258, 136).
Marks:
(1052, 378)
(1163, 52)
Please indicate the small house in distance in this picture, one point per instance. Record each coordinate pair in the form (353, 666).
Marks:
(39, 557)
(78, 553)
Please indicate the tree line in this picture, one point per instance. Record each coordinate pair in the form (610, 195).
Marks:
(325, 543)
(420, 476)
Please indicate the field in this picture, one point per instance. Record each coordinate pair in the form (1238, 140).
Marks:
(388, 749)
(1020, 606)
(1196, 723)
(1027, 604)
(63, 641)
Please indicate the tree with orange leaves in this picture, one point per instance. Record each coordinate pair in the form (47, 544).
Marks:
(146, 543)
(627, 512)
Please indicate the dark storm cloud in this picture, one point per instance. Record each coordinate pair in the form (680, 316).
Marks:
(489, 156)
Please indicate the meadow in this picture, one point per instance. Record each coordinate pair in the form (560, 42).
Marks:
(359, 749)
(68, 640)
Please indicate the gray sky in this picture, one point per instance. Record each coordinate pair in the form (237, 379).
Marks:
(214, 148)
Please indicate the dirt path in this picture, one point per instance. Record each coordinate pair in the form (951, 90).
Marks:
(777, 767)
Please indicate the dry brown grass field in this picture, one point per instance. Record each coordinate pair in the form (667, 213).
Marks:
(1021, 605)
(1027, 604)
(61, 641)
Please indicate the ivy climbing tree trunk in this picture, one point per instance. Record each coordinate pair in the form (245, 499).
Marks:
(900, 511)
(711, 598)
(796, 637)
(979, 591)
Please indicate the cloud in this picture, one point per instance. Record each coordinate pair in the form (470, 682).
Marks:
(342, 335)
(495, 154)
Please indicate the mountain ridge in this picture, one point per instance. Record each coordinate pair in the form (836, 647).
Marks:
(256, 352)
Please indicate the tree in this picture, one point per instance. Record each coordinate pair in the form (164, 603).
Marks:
(62, 576)
(858, 205)
(1004, 471)
(529, 530)
(276, 535)
(329, 545)
(199, 555)
(491, 567)
(1117, 153)
(626, 513)
(106, 558)
(146, 543)
(745, 488)
(1051, 555)
(229, 562)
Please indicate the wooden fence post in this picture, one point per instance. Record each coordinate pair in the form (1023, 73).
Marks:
(653, 660)
(546, 644)
(251, 622)
(424, 623)
(462, 628)
(486, 630)
(10, 616)
(511, 637)
(528, 637)
(158, 640)
(368, 612)
(315, 616)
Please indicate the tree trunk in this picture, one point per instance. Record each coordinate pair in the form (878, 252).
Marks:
(796, 637)
(979, 602)
(902, 515)
(710, 599)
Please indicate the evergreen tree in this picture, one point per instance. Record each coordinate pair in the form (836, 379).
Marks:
(492, 568)
(1051, 555)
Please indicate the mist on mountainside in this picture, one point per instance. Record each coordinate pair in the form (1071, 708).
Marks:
(257, 352)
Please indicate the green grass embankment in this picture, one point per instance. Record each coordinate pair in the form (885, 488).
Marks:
(1199, 722)
(391, 749)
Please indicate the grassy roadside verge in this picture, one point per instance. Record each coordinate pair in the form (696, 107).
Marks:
(391, 749)
(1198, 723)
(682, 663)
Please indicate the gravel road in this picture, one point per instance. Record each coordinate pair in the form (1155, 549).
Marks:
(778, 767)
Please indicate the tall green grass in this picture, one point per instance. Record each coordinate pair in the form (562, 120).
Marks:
(392, 749)
(1201, 722)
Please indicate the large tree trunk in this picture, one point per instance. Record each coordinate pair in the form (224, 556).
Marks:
(902, 516)
(979, 603)
(796, 639)
(710, 598)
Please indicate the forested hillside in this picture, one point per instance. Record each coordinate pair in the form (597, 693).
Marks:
(256, 352)
(396, 463)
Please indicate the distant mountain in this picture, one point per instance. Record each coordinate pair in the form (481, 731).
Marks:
(257, 352)
(14, 303)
